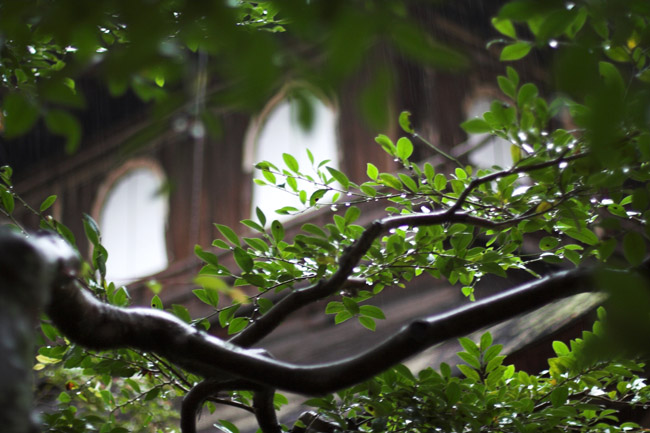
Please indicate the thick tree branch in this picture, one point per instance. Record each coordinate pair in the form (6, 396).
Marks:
(96, 325)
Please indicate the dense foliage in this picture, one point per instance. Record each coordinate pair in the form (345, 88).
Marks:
(577, 187)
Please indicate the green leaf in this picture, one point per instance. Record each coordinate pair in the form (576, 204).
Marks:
(469, 372)
(243, 260)
(237, 324)
(507, 87)
(47, 203)
(505, 27)
(408, 182)
(371, 311)
(560, 348)
(386, 144)
(334, 307)
(486, 341)
(156, 302)
(469, 346)
(404, 148)
(208, 296)
(390, 180)
(367, 322)
(351, 305)
(559, 396)
(7, 200)
(470, 360)
(339, 177)
(182, 313)
(476, 126)
(515, 51)
(372, 171)
(405, 122)
(439, 182)
(634, 248)
(277, 230)
(527, 94)
(291, 162)
(352, 214)
(206, 256)
(583, 235)
(260, 216)
(91, 229)
(21, 114)
(548, 243)
(228, 233)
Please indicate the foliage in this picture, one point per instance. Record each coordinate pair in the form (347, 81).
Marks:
(577, 189)
(489, 396)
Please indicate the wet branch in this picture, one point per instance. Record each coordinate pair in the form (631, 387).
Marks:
(262, 403)
(100, 326)
(350, 258)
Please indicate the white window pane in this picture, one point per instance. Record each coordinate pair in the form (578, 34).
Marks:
(280, 134)
(132, 222)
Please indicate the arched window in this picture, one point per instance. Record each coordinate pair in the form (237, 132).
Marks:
(488, 149)
(132, 215)
(278, 131)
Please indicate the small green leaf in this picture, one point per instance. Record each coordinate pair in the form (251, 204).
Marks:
(372, 171)
(182, 313)
(7, 200)
(339, 177)
(367, 322)
(583, 235)
(371, 311)
(505, 27)
(408, 182)
(206, 256)
(47, 203)
(405, 122)
(352, 214)
(469, 346)
(156, 302)
(548, 243)
(559, 396)
(390, 180)
(515, 51)
(486, 341)
(291, 162)
(334, 307)
(21, 114)
(277, 230)
(476, 126)
(439, 182)
(386, 144)
(91, 229)
(228, 233)
(237, 324)
(404, 148)
(243, 260)
(507, 87)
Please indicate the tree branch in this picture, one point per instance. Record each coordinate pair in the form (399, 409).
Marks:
(262, 403)
(100, 326)
(265, 324)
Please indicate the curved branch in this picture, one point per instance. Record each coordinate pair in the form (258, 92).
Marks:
(265, 411)
(93, 324)
(265, 324)
(475, 183)
(262, 402)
